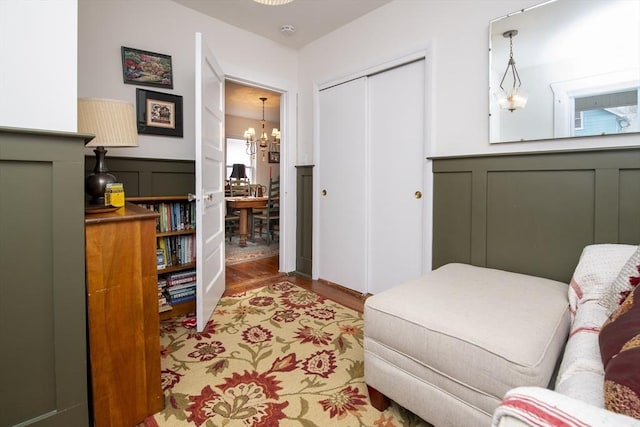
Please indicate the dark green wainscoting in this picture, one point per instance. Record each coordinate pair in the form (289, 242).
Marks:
(534, 213)
(42, 288)
(304, 214)
(150, 177)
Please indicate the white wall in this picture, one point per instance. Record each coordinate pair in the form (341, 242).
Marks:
(38, 75)
(166, 27)
(457, 32)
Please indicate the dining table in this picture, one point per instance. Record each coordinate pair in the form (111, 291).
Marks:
(245, 205)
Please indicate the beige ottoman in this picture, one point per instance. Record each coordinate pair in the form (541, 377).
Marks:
(448, 345)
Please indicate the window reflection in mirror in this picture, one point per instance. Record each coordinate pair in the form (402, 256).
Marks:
(579, 62)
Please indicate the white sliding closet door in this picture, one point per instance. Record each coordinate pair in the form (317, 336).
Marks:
(371, 175)
(342, 184)
(397, 160)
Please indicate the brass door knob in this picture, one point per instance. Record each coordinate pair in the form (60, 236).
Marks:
(418, 194)
(324, 192)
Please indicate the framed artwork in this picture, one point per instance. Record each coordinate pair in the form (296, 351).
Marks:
(274, 157)
(158, 113)
(140, 67)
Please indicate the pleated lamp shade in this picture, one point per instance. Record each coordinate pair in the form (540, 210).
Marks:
(112, 122)
(238, 171)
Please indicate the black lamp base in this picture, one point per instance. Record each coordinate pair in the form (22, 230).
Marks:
(97, 181)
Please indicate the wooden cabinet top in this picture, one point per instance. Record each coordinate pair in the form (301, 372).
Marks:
(128, 212)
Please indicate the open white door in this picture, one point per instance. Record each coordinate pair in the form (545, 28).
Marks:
(209, 123)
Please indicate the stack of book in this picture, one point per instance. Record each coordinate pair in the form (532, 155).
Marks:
(174, 216)
(180, 286)
(163, 303)
(176, 250)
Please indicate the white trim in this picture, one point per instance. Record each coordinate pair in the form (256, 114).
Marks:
(564, 94)
(288, 224)
(375, 69)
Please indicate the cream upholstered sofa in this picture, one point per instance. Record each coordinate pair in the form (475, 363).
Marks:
(470, 346)
(578, 398)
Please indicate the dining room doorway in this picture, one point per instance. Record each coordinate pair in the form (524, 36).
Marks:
(252, 131)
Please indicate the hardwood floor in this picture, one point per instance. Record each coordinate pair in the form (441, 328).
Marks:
(253, 274)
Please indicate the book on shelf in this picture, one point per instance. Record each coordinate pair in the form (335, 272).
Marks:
(160, 264)
(183, 298)
(177, 250)
(173, 216)
(176, 288)
(172, 293)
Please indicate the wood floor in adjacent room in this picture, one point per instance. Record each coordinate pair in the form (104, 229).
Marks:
(253, 274)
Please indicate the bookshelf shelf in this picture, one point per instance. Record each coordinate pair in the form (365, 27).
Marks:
(175, 268)
(176, 233)
(175, 242)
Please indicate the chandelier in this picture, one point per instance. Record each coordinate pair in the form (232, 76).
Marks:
(261, 143)
(515, 98)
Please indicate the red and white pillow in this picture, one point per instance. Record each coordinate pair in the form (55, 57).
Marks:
(623, 285)
(619, 342)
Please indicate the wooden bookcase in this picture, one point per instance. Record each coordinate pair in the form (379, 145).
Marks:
(123, 330)
(169, 229)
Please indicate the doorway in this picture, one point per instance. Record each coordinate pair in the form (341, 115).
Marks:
(252, 107)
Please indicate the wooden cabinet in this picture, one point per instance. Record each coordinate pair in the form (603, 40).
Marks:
(42, 292)
(175, 240)
(124, 343)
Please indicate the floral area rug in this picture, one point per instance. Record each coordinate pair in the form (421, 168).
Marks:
(275, 356)
(234, 254)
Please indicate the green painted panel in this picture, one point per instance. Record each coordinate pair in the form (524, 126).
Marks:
(452, 218)
(546, 216)
(150, 177)
(304, 215)
(534, 212)
(42, 302)
(630, 206)
(26, 289)
(172, 183)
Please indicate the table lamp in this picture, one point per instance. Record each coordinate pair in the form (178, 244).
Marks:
(114, 125)
(238, 171)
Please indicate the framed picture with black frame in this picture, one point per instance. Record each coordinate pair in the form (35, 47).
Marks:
(158, 113)
(274, 157)
(144, 68)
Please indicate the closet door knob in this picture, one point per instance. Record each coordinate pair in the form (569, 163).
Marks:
(418, 195)
(324, 192)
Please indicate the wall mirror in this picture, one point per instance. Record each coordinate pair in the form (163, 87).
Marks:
(577, 71)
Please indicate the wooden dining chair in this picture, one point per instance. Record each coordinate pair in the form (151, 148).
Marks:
(231, 223)
(268, 222)
(239, 187)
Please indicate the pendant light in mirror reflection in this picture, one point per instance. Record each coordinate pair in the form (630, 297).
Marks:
(513, 97)
(580, 64)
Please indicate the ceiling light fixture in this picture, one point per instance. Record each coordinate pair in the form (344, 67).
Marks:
(273, 2)
(250, 136)
(516, 97)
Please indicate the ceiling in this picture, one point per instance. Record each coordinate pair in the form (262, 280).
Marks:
(311, 19)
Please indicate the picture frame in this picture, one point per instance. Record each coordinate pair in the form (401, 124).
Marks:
(144, 68)
(159, 113)
(274, 157)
